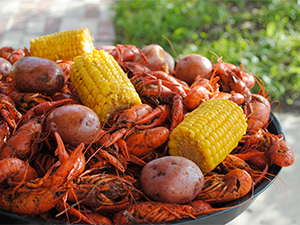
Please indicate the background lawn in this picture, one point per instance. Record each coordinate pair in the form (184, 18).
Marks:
(263, 35)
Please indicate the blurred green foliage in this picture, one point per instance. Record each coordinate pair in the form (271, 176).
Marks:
(263, 35)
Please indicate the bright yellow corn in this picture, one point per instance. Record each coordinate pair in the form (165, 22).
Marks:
(209, 133)
(62, 45)
(102, 85)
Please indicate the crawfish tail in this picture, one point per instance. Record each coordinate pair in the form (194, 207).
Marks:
(20, 143)
(17, 169)
(69, 168)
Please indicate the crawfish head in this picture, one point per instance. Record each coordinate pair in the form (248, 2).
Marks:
(102, 190)
(31, 201)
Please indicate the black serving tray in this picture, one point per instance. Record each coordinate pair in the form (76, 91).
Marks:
(219, 217)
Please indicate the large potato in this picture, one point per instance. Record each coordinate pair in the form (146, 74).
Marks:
(190, 66)
(171, 179)
(34, 74)
(75, 123)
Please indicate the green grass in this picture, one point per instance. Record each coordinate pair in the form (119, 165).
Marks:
(262, 35)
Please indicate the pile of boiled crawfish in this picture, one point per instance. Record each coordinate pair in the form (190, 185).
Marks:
(99, 183)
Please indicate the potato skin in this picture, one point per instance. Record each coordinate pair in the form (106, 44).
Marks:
(75, 123)
(171, 179)
(34, 74)
(5, 68)
(190, 66)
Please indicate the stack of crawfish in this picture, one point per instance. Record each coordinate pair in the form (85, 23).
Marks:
(99, 183)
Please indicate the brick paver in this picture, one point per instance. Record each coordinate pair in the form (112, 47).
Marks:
(23, 20)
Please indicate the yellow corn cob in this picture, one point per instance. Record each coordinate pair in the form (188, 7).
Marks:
(101, 84)
(62, 45)
(209, 133)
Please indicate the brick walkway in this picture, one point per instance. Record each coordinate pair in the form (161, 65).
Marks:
(23, 20)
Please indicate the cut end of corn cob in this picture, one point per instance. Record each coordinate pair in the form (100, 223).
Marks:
(102, 85)
(209, 133)
(62, 45)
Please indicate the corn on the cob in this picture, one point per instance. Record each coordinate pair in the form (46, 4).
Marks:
(62, 45)
(209, 133)
(101, 84)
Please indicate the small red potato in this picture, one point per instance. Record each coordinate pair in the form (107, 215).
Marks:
(5, 68)
(75, 123)
(34, 74)
(192, 65)
(171, 179)
(155, 55)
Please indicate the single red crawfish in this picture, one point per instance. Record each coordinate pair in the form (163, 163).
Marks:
(104, 192)
(5, 52)
(103, 159)
(158, 212)
(8, 111)
(18, 54)
(259, 114)
(221, 188)
(126, 53)
(138, 142)
(42, 194)
(23, 100)
(22, 143)
(231, 78)
(158, 116)
(142, 142)
(155, 91)
(274, 146)
(201, 90)
(236, 162)
(82, 215)
(158, 87)
(128, 117)
(123, 121)
(17, 170)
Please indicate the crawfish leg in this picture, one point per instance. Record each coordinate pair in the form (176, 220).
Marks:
(159, 116)
(176, 112)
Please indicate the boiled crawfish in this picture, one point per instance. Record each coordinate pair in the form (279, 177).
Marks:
(104, 192)
(22, 143)
(8, 111)
(157, 212)
(42, 194)
(262, 142)
(221, 188)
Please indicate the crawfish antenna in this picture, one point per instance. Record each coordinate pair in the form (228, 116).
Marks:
(170, 43)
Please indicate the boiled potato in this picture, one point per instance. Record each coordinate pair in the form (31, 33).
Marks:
(171, 179)
(34, 74)
(155, 55)
(75, 123)
(170, 61)
(192, 65)
(5, 68)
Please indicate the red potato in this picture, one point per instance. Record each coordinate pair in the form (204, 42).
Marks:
(34, 74)
(170, 61)
(75, 123)
(5, 68)
(172, 179)
(192, 65)
(155, 55)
